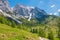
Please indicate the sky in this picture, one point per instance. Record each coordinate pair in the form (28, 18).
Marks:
(50, 6)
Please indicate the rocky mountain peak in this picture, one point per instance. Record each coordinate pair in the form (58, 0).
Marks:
(28, 11)
(4, 5)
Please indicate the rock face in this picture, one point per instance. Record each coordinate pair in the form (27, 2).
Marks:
(28, 12)
(4, 5)
(21, 11)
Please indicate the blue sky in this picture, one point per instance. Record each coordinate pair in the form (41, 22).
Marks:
(50, 6)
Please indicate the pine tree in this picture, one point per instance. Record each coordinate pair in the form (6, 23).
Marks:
(50, 35)
(42, 33)
(13, 24)
(59, 28)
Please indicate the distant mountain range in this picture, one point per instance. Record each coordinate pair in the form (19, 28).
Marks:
(21, 11)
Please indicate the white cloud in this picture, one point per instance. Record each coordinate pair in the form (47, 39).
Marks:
(12, 8)
(58, 10)
(41, 2)
(55, 13)
(53, 5)
(50, 13)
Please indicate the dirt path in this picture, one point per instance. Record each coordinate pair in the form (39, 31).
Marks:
(40, 38)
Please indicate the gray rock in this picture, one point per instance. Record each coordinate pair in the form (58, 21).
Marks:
(4, 5)
(28, 12)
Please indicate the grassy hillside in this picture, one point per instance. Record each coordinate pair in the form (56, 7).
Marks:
(9, 33)
(49, 28)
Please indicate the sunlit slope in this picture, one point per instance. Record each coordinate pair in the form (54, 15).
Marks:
(9, 33)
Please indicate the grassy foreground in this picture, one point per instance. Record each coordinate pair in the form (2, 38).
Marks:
(9, 33)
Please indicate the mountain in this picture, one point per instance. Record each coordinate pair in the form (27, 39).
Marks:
(4, 6)
(5, 10)
(23, 22)
(21, 11)
(28, 12)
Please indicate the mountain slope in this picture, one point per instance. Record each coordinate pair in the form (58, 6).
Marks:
(22, 11)
(28, 12)
(4, 5)
(9, 33)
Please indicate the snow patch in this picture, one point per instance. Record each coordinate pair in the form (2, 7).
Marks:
(30, 8)
(30, 17)
(1, 10)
